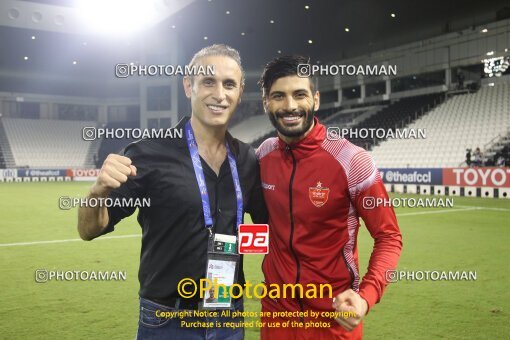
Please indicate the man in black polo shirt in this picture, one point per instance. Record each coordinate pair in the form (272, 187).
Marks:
(175, 232)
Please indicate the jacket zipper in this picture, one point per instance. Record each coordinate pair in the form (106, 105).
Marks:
(298, 265)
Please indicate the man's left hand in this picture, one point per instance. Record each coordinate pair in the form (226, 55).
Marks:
(350, 301)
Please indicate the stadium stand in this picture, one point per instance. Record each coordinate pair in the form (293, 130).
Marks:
(253, 128)
(324, 114)
(498, 147)
(352, 116)
(397, 115)
(503, 157)
(115, 145)
(41, 143)
(246, 109)
(462, 122)
(6, 158)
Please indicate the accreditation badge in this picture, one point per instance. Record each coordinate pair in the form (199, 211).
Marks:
(221, 271)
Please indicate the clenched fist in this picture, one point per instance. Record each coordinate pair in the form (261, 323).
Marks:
(113, 174)
(352, 304)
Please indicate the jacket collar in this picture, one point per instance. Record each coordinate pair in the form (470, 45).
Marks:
(304, 147)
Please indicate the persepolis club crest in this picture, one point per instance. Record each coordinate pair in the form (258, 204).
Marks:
(318, 195)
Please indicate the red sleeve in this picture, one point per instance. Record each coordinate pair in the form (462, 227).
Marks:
(366, 187)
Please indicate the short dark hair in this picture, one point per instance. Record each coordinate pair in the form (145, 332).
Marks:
(281, 67)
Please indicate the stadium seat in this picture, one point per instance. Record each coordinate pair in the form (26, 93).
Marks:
(462, 122)
(41, 143)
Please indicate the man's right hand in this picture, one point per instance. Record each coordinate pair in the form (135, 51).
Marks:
(113, 174)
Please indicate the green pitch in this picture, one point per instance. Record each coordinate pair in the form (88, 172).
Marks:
(472, 236)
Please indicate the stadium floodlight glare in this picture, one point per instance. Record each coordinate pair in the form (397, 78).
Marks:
(117, 16)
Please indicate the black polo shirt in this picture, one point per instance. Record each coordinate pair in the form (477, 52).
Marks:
(174, 237)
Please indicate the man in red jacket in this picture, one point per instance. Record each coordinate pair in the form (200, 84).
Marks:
(316, 189)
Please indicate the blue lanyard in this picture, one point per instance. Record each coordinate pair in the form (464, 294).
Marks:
(199, 173)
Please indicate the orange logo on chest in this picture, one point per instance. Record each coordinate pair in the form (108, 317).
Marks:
(318, 195)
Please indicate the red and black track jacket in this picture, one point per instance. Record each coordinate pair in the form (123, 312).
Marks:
(315, 191)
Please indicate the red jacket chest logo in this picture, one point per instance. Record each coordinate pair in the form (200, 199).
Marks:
(318, 195)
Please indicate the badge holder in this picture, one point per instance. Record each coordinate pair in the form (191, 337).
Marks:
(222, 257)
(222, 268)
